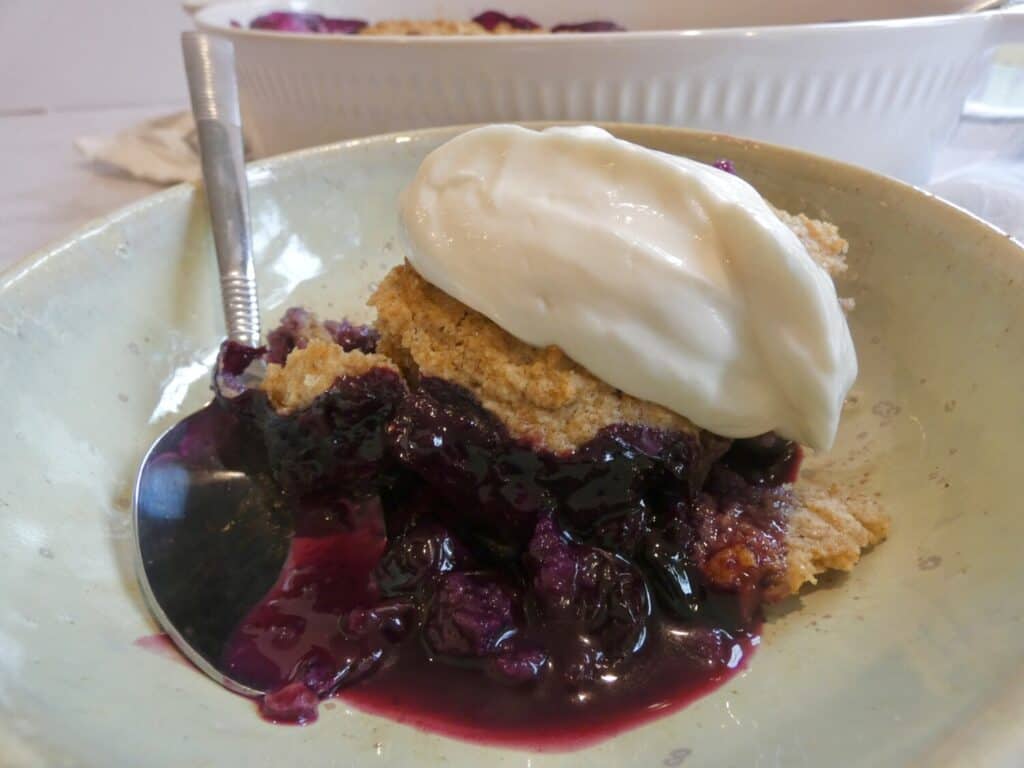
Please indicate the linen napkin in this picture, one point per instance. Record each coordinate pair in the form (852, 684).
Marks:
(163, 150)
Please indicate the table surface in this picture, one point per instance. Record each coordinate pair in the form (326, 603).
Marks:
(103, 68)
(86, 79)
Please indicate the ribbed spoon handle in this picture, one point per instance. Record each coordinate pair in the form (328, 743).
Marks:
(210, 65)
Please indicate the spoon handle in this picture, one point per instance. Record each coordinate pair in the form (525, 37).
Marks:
(210, 65)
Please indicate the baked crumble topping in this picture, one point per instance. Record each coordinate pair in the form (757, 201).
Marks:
(540, 394)
(311, 371)
(820, 238)
(828, 529)
(445, 27)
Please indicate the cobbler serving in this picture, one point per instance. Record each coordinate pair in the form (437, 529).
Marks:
(490, 539)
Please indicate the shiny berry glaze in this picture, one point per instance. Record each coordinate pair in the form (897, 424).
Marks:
(478, 587)
(312, 637)
(292, 634)
(681, 664)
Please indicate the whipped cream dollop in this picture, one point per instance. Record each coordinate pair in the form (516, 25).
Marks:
(670, 280)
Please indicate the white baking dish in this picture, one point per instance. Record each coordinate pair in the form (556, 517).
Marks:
(882, 92)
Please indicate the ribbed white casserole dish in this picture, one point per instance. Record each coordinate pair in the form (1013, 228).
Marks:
(884, 92)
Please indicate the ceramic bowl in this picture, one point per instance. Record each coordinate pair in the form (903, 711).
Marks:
(884, 92)
(915, 658)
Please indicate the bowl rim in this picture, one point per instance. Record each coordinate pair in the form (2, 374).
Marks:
(983, 9)
(20, 268)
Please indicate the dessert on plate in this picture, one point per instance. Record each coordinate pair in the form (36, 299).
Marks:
(547, 494)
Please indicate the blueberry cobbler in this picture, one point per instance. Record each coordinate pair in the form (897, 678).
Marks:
(485, 23)
(495, 542)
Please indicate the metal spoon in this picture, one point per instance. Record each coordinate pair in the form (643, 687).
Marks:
(210, 539)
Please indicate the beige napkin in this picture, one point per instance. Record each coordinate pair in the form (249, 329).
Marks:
(162, 150)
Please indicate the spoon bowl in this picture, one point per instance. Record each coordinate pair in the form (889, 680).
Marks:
(210, 537)
(210, 533)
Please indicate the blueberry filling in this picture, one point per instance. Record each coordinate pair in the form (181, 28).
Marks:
(292, 21)
(338, 441)
(449, 575)
(490, 20)
(315, 23)
(297, 328)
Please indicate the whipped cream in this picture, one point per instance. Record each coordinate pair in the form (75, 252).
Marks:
(670, 280)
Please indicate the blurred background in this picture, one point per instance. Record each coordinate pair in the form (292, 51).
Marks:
(74, 69)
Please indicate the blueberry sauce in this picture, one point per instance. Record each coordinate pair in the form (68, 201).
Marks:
(448, 576)
(482, 666)
(679, 665)
(292, 639)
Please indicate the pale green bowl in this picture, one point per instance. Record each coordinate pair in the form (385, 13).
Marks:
(914, 659)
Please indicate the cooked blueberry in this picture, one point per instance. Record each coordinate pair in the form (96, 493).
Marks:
(490, 20)
(423, 553)
(725, 164)
(472, 616)
(519, 666)
(337, 439)
(392, 621)
(674, 578)
(294, 704)
(765, 460)
(353, 337)
(288, 21)
(462, 451)
(598, 597)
